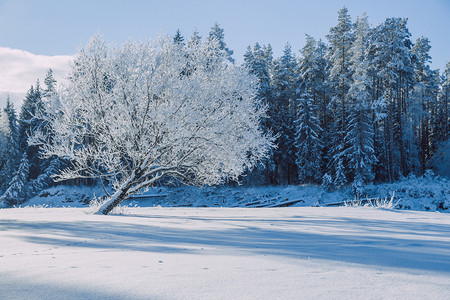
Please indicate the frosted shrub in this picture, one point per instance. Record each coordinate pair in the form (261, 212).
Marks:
(376, 203)
(384, 203)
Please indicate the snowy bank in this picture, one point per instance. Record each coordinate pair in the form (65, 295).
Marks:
(423, 194)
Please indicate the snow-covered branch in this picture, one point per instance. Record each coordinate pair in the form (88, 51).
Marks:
(142, 111)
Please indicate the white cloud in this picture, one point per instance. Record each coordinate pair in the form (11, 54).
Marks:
(20, 69)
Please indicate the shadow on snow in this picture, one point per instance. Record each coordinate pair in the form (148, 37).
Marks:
(374, 243)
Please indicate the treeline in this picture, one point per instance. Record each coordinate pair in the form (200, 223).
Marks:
(362, 106)
(22, 172)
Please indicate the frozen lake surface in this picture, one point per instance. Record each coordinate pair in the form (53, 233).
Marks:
(224, 253)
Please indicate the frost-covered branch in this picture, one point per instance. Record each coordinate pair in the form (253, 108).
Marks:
(142, 111)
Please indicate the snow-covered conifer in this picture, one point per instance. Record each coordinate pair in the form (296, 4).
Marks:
(44, 180)
(391, 58)
(178, 38)
(9, 142)
(16, 191)
(327, 182)
(359, 137)
(28, 123)
(282, 110)
(339, 177)
(340, 38)
(195, 39)
(217, 33)
(259, 62)
(308, 141)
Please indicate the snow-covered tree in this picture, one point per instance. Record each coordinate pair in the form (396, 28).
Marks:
(445, 95)
(309, 69)
(256, 61)
(44, 180)
(340, 179)
(282, 110)
(359, 137)
(441, 159)
(178, 38)
(426, 86)
(390, 48)
(9, 151)
(195, 39)
(312, 74)
(308, 141)
(259, 62)
(50, 83)
(130, 116)
(340, 38)
(28, 123)
(216, 33)
(16, 191)
(327, 182)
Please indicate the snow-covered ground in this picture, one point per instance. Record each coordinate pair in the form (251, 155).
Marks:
(224, 253)
(422, 194)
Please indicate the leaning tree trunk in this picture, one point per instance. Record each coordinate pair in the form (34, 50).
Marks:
(112, 202)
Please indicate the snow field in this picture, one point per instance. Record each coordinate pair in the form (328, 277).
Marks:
(224, 253)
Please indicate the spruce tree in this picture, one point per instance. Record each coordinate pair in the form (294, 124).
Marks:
(283, 114)
(28, 124)
(359, 136)
(9, 153)
(341, 38)
(50, 84)
(259, 62)
(308, 140)
(390, 48)
(178, 38)
(17, 188)
(426, 91)
(217, 33)
(195, 39)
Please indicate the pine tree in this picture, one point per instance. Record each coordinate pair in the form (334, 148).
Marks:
(49, 166)
(259, 62)
(312, 73)
(283, 115)
(444, 104)
(340, 38)
(359, 136)
(308, 69)
(308, 141)
(9, 153)
(340, 179)
(426, 87)
(17, 190)
(390, 49)
(45, 180)
(195, 39)
(178, 38)
(216, 33)
(327, 182)
(50, 84)
(28, 123)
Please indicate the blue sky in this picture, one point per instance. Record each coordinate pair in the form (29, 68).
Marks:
(51, 27)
